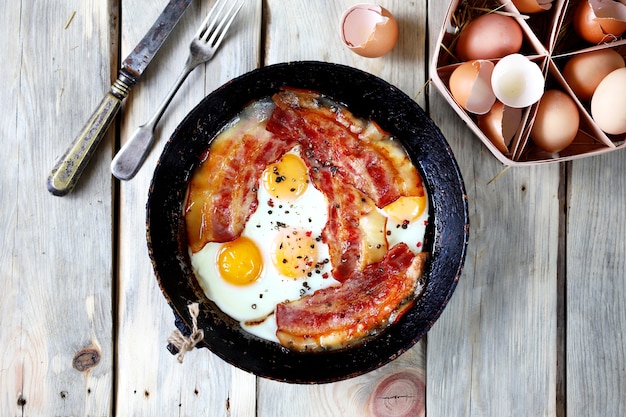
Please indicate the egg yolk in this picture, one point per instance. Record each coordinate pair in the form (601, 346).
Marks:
(240, 261)
(406, 208)
(286, 179)
(294, 253)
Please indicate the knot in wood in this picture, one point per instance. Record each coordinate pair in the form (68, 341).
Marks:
(401, 394)
(86, 359)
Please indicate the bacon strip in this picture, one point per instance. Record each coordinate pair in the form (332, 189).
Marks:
(336, 317)
(223, 190)
(329, 140)
(346, 240)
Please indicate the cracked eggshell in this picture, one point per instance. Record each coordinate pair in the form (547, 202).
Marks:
(369, 30)
(517, 81)
(500, 125)
(599, 21)
(532, 6)
(470, 85)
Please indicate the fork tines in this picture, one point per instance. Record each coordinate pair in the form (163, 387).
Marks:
(216, 24)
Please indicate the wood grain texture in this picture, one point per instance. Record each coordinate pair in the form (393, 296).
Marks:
(153, 382)
(288, 39)
(55, 262)
(596, 287)
(351, 397)
(496, 341)
(83, 324)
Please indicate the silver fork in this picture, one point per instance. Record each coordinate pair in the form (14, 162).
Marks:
(201, 49)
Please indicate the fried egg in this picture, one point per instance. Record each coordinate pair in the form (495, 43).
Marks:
(279, 256)
(407, 219)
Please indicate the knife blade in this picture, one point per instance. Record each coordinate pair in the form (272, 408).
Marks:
(72, 163)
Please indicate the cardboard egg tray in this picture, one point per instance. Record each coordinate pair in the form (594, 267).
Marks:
(549, 40)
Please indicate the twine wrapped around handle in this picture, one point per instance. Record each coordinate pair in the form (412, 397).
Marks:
(184, 343)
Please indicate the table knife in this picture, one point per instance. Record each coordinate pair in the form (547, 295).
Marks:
(72, 163)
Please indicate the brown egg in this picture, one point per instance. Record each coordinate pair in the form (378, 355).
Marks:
(532, 6)
(500, 125)
(594, 29)
(608, 104)
(470, 85)
(584, 72)
(556, 123)
(369, 30)
(489, 36)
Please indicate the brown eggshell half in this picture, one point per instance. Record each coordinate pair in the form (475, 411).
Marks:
(500, 125)
(470, 85)
(596, 29)
(369, 30)
(532, 6)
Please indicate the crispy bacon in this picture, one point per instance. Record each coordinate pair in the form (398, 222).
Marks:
(223, 190)
(347, 240)
(353, 163)
(365, 303)
(331, 139)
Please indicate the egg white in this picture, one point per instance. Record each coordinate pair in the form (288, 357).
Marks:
(412, 233)
(256, 302)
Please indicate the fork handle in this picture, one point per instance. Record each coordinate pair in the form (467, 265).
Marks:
(132, 155)
(70, 166)
(134, 152)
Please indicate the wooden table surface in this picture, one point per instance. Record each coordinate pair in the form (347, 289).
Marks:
(535, 327)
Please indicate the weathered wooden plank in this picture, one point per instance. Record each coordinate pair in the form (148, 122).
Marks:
(493, 351)
(352, 397)
(150, 380)
(596, 289)
(55, 261)
(299, 30)
(303, 30)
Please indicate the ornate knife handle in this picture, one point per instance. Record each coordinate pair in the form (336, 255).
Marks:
(71, 165)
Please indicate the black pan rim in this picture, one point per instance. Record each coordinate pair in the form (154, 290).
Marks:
(367, 96)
